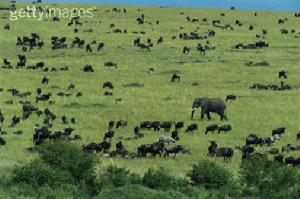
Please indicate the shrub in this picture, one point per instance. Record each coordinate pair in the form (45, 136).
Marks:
(67, 157)
(209, 175)
(37, 173)
(137, 192)
(116, 177)
(252, 168)
(269, 178)
(158, 179)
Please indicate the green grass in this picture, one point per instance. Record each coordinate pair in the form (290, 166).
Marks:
(219, 73)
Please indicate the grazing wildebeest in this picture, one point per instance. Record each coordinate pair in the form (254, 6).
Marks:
(212, 149)
(137, 42)
(110, 64)
(279, 158)
(100, 46)
(88, 68)
(43, 97)
(109, 135)
(191, 128)
(179, 125)
(137, 132)
(278, 131)
(166, 126)
(208, 105)
(64, 119)
(271, 139)
(211, 128)
(155, 149)
(6, 27)
(121, 124)
(175, 135)
(201, 49)
(282, 74)
(253, 139)
(186, 50)
(224, 128)
(298, 134)
(251, 27)
(92, 147)
(108, 85)
(111, 124)
(88, 48)
(2, 141)
(144, 46)
(176, 149)
(225, 152)
(14, 121)
(175, 76)
(107, 93)
(6, 62)
(45, 80)
(160, 40)
(230, 98)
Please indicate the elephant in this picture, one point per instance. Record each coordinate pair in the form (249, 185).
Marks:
(208, 105)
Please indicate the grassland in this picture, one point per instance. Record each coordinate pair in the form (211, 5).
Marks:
(219, 73)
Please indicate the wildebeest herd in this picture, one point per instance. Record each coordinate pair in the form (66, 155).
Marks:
(75, 80)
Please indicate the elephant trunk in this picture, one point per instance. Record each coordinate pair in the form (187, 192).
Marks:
(193, 111)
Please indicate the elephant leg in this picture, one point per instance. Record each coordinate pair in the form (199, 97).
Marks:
(208, 115)
(202, 113)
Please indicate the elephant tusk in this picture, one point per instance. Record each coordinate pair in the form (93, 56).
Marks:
(193, 109)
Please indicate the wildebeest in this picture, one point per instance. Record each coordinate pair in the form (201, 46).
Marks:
(211, 128)
(88, 48)
(166, 126)
(110, 134)
(225, 152)
(2, 141)
(212, 149)
(179, 125)
(253, 139)
(282, 74)
(110, 64)
(230, 98)
(100, 46)
(121, 124)
(298, 136)
(154, 149)
(88, 68)
(176, 149)
(108, 85)
(224, 128)
(175, 76)
(186, 50)
(191, 128)
(160, 40)
(278, 131)
(45, 80)
(175, 135)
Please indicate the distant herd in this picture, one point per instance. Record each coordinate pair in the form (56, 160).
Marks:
(43, 132)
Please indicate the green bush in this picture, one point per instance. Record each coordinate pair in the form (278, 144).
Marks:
(158, 179)
(270, 179)
(116, 177)
(209, 175)
(38, 173)
(252, 168)
(70, 158)
(137, 192)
